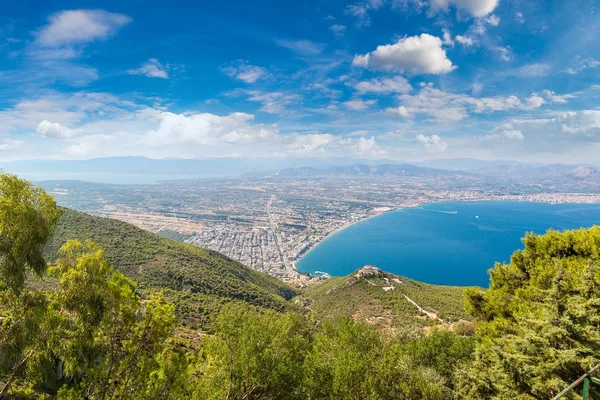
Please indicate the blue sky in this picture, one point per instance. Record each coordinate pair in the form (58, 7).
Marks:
(394, 79)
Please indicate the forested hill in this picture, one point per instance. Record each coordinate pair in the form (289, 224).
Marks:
(388, 301)
(197, 280)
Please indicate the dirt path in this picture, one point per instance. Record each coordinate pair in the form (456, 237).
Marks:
(431, 315)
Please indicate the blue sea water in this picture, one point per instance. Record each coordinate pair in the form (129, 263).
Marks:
(450, 243)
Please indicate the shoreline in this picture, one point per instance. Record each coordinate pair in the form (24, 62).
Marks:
(403, 207)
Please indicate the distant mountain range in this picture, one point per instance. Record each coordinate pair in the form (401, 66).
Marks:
(367, 170)
(548, 175)
(145, 170)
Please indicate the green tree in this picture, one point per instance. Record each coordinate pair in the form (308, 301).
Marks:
(253, 355)
(539, 322)
(443, 351)
(27, 218)
(91, 336)
(351, 360)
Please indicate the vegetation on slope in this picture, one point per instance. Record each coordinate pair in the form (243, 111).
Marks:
(197, 280)
(89, 335)
(384, 299)
(539, 322)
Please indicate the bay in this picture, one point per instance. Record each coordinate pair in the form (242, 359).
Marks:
(449, 243)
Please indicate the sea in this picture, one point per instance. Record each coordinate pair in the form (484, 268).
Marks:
(447, 243)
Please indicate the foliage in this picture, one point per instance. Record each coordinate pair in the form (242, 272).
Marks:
(27, 218)
(351, 360)
(196, 280)
(444, 351)
(254, 355)
(90, 337)
(539, 323)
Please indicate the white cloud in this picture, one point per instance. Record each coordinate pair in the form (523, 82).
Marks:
(55, 130)
(73, 27)
(10, 144)
(505, 132)
(504, 53)
(519, 17)
(208, 128)
(577, 130)
(447, 106)
(466, 41)
(361, 11)
(310, 143)
(401, 111)
(273, 102)
(369, 147)
(432, 144)
(513, 135)
(338, 30)
(415, 54)
(555, 98)
(151, 69)
(301, 47)
(531, 70)
(584, 123)
(476, 8)
(448, 38)
(245, 72)
(359, 104)
(581, 64)
(534, 101)
(396, 84)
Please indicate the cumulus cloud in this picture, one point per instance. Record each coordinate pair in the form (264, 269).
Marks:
(447, 106)
(432, 144)
(369, 147)
(151, 69)
(55, 130)
(245, 72)
(206, 128)
(475, 8)
(400, 111)
(534, 101)
(359, 104)
(396, 84)
(301, 47)
(415, 54)
(74, 27)
(505, 132)
(310, 143)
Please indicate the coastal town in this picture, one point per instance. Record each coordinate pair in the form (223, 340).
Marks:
(269, 224)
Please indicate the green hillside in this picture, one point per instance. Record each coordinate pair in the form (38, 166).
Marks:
(380, 298)
(197, 280)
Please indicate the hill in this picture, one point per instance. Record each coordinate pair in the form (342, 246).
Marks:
(197, 280)
(386, 300)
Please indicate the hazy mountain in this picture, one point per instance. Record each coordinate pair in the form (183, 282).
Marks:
(146, 170)
(366, 170)
(466, 164)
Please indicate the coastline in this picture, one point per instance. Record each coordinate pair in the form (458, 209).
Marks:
(325, 275)
(341, 228)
